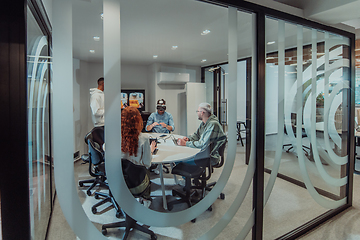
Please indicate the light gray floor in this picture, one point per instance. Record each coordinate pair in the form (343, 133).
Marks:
(288, 207)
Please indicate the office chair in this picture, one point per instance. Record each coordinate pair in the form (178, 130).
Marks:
(239, 131)
(218, 165)
(290, 145)
(303, 135)
(95, 159)
(189, 172)
(135, 176)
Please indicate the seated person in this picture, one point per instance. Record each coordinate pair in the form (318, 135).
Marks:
(160, 121)
(209, 132)
(135, 146)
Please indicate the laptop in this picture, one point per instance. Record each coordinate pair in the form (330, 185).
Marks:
(174, 140)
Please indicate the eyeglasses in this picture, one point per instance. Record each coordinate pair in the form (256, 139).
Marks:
(198, 111)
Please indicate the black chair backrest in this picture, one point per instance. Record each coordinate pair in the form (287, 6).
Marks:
(95, 152)
(222, 158)
(96, 134)
(135, 176)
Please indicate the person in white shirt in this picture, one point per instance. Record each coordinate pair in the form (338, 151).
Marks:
(97, 103)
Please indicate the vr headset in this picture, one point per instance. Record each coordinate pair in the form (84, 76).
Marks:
(161, 107)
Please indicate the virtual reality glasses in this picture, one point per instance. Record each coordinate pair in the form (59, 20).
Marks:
(161, 107)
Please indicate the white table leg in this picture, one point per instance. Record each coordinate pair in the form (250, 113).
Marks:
(175, 178)
(160, 168)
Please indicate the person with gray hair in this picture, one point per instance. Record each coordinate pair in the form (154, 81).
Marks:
(210, 131)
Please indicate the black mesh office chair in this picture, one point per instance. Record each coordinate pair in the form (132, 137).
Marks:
(137, 178)
(190, 172)
(303, 135)
(94, 139)
(96, 159)
(218, 165)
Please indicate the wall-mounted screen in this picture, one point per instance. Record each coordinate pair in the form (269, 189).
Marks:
(135, 98)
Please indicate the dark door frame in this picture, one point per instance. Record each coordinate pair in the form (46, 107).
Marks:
(258, 180)
(14, 175)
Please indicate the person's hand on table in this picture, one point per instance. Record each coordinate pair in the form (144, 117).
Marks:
(153, 146)
(181, 142)
(185, 139)
(163, 124)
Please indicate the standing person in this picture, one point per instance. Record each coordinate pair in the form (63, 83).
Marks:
(160, 121)
(97, 103)
(209, 132)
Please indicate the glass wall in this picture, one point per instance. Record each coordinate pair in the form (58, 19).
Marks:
(40, 159)
(197, 34)
(136, 46)
(307, 95)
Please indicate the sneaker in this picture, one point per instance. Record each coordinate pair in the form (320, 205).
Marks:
(145, 202)
(156, 171)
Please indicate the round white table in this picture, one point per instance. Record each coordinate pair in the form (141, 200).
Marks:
(169, 152)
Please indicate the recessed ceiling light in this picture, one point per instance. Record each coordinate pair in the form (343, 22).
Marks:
(96, 38)
(269, 43)
(92, 51)
(102, 15)
(207, 31)
(174, 47)
(204, 60)
(155, 56)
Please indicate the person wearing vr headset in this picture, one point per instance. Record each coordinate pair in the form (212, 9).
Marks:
(160, 121)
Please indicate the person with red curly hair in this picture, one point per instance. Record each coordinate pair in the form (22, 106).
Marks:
(135, 146)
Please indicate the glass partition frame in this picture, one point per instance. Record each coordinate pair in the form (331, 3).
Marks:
(260, 66)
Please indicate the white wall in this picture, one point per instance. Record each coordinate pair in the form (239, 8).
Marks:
(271, 94)
(81, 103)
(136, 77)
(271, 99)
(174, 94)
(241, 89)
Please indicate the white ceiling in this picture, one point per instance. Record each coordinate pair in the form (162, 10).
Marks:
(152, 27)
(329, 11)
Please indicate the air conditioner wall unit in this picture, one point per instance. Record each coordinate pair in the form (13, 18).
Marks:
(172, 78)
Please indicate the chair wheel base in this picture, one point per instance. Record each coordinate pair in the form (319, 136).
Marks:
(104, 231)
(88, 192)
(94, 210)
(81, 184)
(118, 215)
(210, 209)
(193, 220)
(222, 196)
